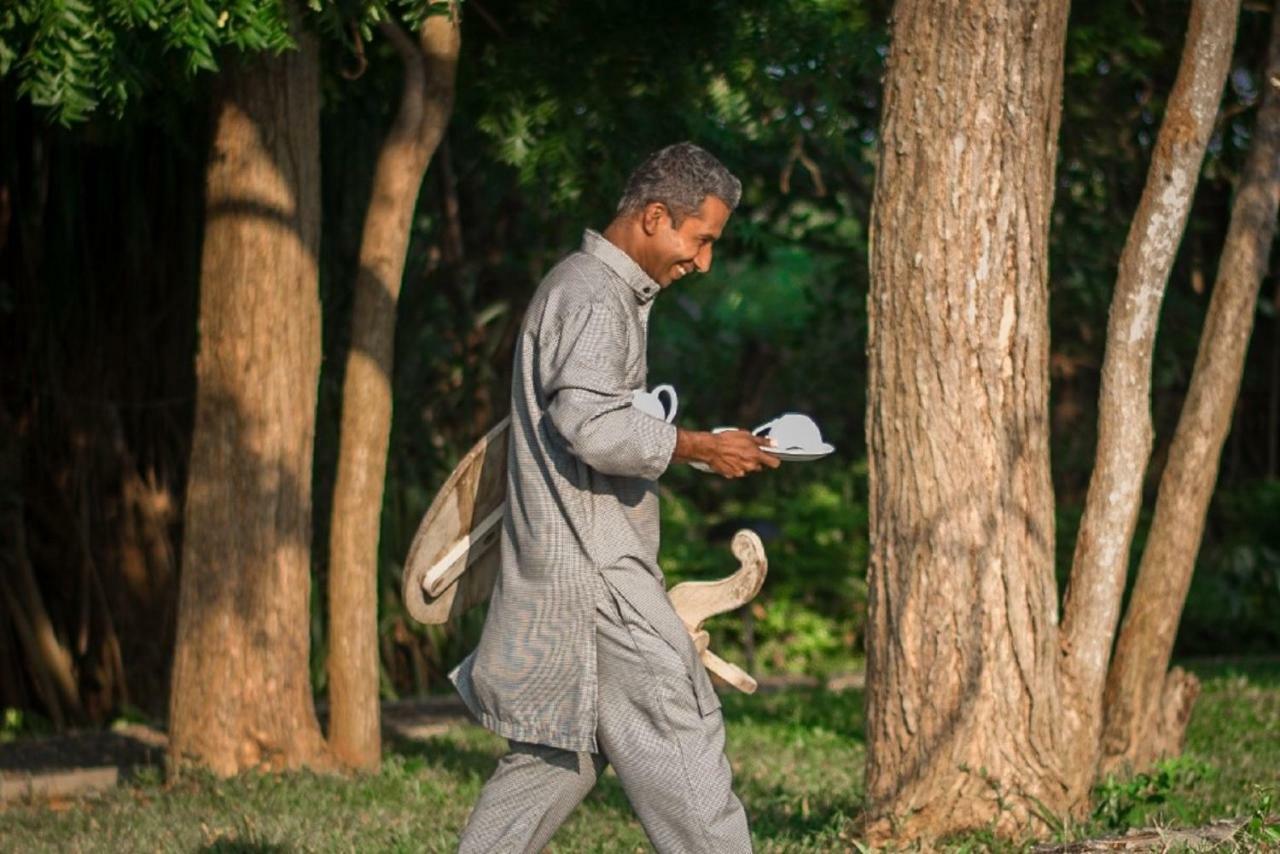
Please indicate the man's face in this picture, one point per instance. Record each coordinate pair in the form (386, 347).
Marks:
(672, 252)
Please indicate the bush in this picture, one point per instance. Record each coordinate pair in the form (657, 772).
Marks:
(1235, 591)
(810, 616)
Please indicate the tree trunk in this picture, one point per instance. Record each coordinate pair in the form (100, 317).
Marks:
(366, 396)
(49, 662)
(1273, 392)
(241, 690)
(963, 711)
(1147, 708)
(1092, 606)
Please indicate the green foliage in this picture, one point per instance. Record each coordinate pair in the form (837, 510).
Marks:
(1263, 825)
(575, 102)
(72, 56)
(1235, 592)
(1120, 803)
(19, 723)
(819, 593)
(811, 613)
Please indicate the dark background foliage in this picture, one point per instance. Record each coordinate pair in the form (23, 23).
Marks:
(100, 226)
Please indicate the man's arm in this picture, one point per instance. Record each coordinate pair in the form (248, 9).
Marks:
(732, 453)
(582, 365)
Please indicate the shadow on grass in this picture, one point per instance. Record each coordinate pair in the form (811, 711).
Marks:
(235, 846)
(477, 765)
(464, 762)
(70, 751)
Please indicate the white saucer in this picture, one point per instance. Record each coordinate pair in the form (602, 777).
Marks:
(800, 455)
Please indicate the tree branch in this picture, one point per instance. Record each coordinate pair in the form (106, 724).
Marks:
(1137, 730)
(409, 118)
(1092, 603)
(430, 69)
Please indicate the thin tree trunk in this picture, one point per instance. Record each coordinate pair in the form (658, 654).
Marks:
(241, 690)
(48, 660)
(1147, 708)
(425, 107)
(1273, 395)
(1092, 604)
(963, 713)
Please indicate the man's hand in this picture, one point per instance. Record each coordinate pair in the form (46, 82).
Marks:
(731, 454)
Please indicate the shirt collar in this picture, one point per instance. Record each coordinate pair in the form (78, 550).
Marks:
(598, 246)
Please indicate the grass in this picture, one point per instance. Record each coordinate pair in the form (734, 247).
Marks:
(797, 759)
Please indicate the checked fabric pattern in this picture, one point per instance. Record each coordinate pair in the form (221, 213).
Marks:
(668, 756)
(582, 503)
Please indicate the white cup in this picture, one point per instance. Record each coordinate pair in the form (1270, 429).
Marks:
(792, 431)
(661, 403)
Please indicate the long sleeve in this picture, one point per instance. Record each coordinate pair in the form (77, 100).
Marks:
(582, 364)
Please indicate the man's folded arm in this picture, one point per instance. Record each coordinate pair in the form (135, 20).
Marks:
(583, 375)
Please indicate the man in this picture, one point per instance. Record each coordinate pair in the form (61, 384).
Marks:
(583, 661)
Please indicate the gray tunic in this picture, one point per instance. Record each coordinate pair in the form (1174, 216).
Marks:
(582, 505)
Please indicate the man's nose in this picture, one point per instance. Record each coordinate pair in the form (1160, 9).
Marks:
(703, 259)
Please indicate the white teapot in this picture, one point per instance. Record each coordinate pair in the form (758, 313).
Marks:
(661, 403)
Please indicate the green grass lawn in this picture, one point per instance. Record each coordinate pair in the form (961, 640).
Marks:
(797, 758)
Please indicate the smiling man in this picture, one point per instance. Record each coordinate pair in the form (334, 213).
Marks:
(583, 662)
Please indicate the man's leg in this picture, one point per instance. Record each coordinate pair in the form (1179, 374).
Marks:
(530, 794)
(668, 756)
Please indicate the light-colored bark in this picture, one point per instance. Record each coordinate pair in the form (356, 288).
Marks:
(963, 713)
(426, 103)
(1092, 605)
(241, 688)
(1145, 706)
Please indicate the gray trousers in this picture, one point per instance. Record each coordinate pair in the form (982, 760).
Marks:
(669, 758)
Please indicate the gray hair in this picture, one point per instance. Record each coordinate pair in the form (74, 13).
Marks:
(679, 176)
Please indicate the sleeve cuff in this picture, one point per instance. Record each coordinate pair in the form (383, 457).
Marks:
(660, 443)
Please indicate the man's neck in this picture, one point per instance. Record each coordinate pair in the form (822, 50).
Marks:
(622, 233)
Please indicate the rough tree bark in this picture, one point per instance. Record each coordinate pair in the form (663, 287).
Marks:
(1092, 605)
(963, 708)
(241, 690)
(1146, 704)
(979, 710)
(425, 106)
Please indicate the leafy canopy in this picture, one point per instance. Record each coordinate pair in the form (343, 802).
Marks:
(74, 57)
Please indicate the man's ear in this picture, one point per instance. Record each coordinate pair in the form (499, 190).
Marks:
(652, 216)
